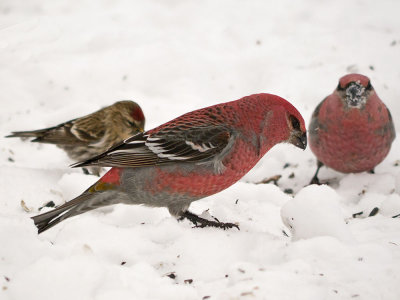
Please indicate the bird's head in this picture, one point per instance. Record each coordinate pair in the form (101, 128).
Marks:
(283, 123)
(354, 90)
(298, 135)
(132, 115)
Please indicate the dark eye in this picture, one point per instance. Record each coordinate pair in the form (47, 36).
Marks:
(340, 88)
(132, 124)
(295, 122)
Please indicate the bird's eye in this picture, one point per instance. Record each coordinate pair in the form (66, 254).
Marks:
(340, 88)
(133, 124)
(295, 122)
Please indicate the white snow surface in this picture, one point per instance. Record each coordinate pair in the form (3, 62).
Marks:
(315, 211)
(64, 59)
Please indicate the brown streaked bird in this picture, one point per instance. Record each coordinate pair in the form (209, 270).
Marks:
(91, 135)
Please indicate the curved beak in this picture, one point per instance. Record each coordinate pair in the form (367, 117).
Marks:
(139, 126)
(299, 139)
(355, 95)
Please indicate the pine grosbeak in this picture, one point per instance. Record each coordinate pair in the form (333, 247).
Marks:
(193, 156)
(92, 134)
(351, 130)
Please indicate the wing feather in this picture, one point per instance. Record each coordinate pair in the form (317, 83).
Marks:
(166, 146)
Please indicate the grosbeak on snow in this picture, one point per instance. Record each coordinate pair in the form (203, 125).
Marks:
(351, 130)
(193, 156)
(91, 135)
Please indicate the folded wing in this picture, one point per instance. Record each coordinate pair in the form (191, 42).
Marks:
(168, 145)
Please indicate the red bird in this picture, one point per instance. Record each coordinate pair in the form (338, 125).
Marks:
(351, 130)
(193, 156)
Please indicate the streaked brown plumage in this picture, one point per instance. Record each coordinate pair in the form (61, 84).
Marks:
(90, 135)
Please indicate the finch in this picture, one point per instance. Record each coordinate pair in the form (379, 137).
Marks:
(92, 134)
(351, 130)
(191, 157)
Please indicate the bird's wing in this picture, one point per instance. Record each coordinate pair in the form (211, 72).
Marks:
(165, 146)
(390, 124)
(81, 131)
(90, 128)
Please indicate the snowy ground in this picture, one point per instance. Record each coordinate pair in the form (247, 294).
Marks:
(60, 60)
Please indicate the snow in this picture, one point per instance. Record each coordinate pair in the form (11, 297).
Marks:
(60, 60)
(315, 211)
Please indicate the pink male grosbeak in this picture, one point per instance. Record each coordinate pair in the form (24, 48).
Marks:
(91, 135)
(351, 130)
(193, 156)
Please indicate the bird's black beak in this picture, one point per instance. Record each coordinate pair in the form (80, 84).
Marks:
(355, 95)
(299, 139)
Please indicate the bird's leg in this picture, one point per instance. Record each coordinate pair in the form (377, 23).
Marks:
(201, 222)
(315, 179)
(372, 171)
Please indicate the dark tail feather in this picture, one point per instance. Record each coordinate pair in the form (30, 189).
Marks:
(37, 134)
(49, 219)
(65, 211)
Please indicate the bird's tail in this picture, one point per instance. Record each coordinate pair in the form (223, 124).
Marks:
(71, 208)
(36, 134)
(88, 200)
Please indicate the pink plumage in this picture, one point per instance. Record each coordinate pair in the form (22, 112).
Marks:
(188, 158)
(351, 130)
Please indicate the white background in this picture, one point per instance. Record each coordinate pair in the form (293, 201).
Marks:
(64, 59)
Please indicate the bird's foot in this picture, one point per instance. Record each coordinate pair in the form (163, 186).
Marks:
(85, 171)
(330, 181)
(315, 180)
(200, 222)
